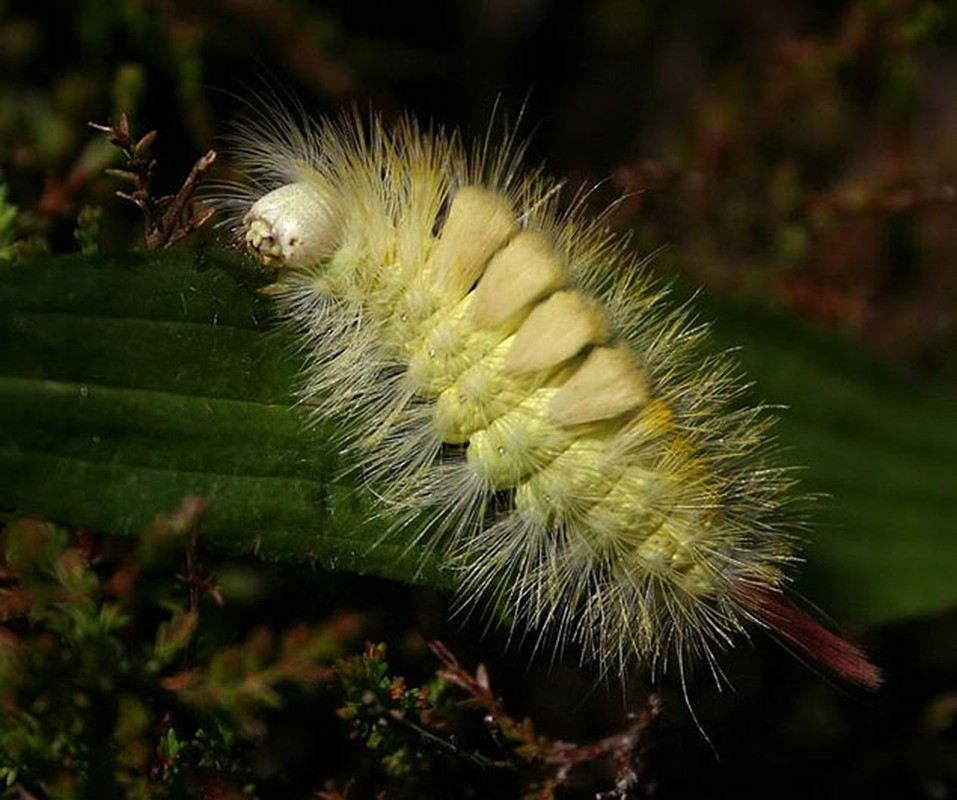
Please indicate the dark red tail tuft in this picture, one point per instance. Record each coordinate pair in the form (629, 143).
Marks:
(800, 629)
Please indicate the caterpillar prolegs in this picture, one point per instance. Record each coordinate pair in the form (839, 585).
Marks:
(506, 371)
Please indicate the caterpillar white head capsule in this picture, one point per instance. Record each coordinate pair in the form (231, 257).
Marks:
(506, 371)
(290, 227)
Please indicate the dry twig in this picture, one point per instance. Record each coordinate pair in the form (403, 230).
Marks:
(627, 748)
(168, 219)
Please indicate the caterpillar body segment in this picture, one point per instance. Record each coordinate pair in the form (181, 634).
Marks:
(507, 370)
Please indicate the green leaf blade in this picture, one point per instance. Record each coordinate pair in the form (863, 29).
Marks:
(128, 382)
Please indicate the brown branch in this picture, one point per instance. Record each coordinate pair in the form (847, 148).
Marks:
(167, 219)
(627, 748)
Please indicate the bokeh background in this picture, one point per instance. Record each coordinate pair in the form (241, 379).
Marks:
(798, 157)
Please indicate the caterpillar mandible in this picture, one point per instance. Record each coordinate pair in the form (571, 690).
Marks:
(505, 370)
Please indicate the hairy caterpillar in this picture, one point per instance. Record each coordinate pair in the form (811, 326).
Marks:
(506, 371)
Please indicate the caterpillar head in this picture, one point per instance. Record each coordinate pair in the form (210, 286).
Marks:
(292, 226)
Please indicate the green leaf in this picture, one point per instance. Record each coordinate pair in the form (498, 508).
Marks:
(127, 382)
(878, 446)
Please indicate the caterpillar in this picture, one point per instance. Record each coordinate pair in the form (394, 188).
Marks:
(509, 378)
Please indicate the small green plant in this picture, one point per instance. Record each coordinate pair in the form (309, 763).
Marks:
(104, 683)
(89, 229)
(382, 711)
(8, 221)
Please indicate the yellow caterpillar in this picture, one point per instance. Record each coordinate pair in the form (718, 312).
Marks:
(507, 371)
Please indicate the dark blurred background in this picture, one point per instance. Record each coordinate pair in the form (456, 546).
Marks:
(796, 155)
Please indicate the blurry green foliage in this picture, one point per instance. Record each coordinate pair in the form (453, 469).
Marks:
(109, 685)
(89, 224)
(8, 218)
(90, 688)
